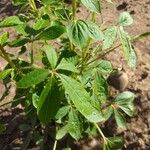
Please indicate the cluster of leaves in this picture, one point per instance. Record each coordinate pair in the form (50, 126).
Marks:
(69, 89)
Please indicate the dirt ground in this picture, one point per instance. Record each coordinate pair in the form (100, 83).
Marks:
(137, 134)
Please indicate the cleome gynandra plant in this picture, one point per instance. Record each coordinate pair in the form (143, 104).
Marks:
(61, 84)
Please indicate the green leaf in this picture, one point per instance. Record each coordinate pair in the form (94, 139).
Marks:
(18, 42)
(74, 125)
(108, 111)
(4, 38)
(41, 23)
(100, 87)
(109, 37)
(66, 65)
(66, 148)
(5, 73)
(62, 132)
(81, 99)
(129, 52)
(35, 100)
(113, 143)
(2, 128)
(125, 19)
(78, 33)
(119, 119)
(125, 101)
(105, 66)
(33, 78)
(19, 2)
(92, 5)
(10, 21)
(51, 33)
(48, 2)
(94, 31)
(48, 102)
(62, 112)
(51, 55)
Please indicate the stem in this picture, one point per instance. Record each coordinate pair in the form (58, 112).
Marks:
(6, 57)
(12, 101)
(33, 5)
(93, 17)
(101, 133)
(103, 54)
(55, 144)
(74, 7)
(31, 55)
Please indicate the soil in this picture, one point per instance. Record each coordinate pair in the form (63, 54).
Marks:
(137, 134)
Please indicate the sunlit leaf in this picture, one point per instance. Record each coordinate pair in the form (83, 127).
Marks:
(10, 21)
(78, 33)
(4, 73)
(92, 5)
(81, 99)
(125, 19)
(109, 37)
(33, 78)
(66, 65)
(74, 125)
(129, 52)
(51, 55)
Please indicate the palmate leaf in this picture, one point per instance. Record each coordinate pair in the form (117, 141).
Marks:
(109, 37)
(51, 55)
(78, 33)
(49, 103)
(10, 21)
(113, 143)
(33, 78)
(92, 5)
(74, 125)
(129, 52)
(66, 65)
(125, 19)
(81, 99)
